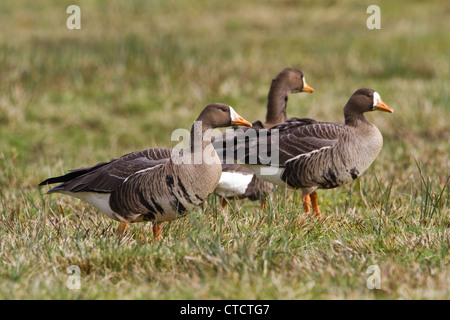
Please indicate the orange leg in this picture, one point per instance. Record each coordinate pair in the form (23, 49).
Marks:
(224, 202)
(123, 226)
(263, 199)
(306, 201)
(157, 231)
(315, 204)
(263, 205)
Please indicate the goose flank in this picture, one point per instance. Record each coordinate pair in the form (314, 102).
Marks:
(153, 185)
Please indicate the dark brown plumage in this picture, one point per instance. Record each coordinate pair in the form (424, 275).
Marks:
(154, 184)
(322, 155)
(238, 182)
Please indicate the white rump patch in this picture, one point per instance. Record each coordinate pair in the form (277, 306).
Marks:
(98, 200)
(233, 184)
(268, 173)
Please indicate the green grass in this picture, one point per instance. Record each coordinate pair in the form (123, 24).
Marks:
(137, 70)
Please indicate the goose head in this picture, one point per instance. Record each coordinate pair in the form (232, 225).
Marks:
(218, 115)
(293, 81)
(288, 81)
(364, 100)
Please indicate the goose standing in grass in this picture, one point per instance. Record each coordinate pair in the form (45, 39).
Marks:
(155, 184)
(239, 182)
(322, 155)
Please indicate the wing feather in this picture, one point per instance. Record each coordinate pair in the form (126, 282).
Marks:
(106, 176)
(309, 138)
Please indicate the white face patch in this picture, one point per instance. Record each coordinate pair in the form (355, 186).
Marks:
(376, 97)
(304, 82)
(233, 115)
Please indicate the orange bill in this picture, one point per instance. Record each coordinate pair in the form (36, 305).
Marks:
(381, 106)
(307, 88)
(239, 121)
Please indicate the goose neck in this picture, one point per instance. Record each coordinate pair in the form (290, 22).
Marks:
(276, 104)
(356, 120)
(200, 135)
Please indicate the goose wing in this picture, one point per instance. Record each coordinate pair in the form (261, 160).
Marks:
(259, 147)
(106, 176)
(310, 155)
(224, 145)
(306, 139)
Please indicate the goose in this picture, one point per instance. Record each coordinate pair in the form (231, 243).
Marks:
(156, 184)
(239, 182)
(321, 155)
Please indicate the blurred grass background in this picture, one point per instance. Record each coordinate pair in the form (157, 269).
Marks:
(137, 70)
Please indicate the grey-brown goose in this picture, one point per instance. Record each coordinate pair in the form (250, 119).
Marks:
(154, 184)
(238, 182)
(323, 155)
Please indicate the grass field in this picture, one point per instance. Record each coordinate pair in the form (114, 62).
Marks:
(137, 70)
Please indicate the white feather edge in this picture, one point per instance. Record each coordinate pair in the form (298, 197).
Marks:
(309, 153)
(273, 174)
(142, 171)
